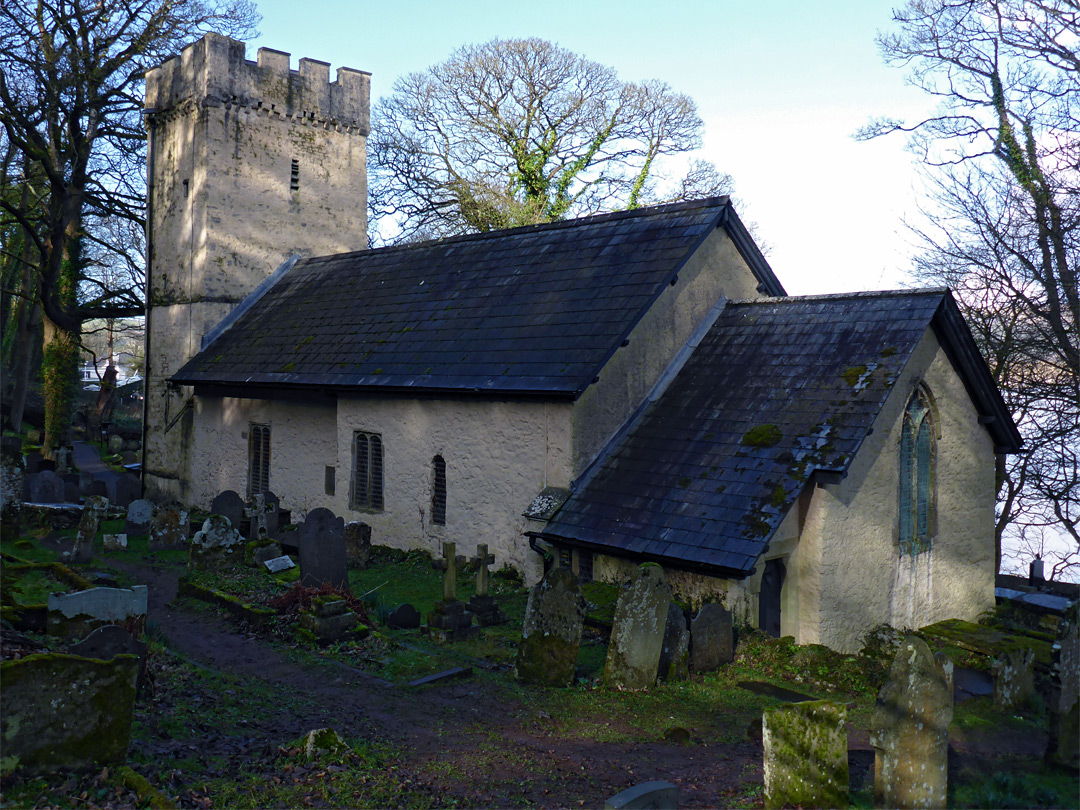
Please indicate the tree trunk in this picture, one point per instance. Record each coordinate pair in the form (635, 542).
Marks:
(60, 375)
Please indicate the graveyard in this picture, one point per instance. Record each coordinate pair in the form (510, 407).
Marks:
(235, 659)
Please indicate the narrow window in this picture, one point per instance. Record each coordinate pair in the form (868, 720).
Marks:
(917, 475)
(584, 566)
(329, 480)
(294, 179)
(438, 491)
(258, 459)
(367, 483)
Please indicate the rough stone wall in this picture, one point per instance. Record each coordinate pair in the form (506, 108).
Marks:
(715, 271)
(225, 134)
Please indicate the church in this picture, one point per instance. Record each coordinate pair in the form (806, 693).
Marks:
(595, 393)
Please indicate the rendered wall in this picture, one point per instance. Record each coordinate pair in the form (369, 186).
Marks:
(224, 134)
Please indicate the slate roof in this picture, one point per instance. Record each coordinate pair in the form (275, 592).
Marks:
(777, 391)
(534, 310)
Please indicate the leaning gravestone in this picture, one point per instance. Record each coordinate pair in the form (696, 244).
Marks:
(126, 488)
(357, 544)
(76, 615)
(322, 550)
(109, 641)
(169, 528)
(909, 729)
(806, 758)
(44, 487)
(139, 515)
(551, 631)
(217, 546)
(11, 482)
(637, 632)
(231, 505)
(1063, 745)
(675, 654)
(92, 513)
(711, 642)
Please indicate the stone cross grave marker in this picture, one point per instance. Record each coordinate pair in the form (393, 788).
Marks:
(322, 550)
(88, 526)
(551, 632)
(449, 564)
(483, 606)
(806, 757)
(637, 632)
(257, 511)
(449, 620)
(62, 459)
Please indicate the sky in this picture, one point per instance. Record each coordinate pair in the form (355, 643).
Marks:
(780, 86)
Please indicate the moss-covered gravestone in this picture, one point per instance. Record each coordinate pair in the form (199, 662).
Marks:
(909, 729)
(551, 632)
(169, 527)
(637, 634)
(675, 654)
(217, 546)
(93, 510)
(806, 762)
(1014, 678)
(66, 712)
(1063, 745)
(11, 484)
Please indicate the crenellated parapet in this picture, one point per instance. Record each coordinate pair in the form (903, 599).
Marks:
(214, 72)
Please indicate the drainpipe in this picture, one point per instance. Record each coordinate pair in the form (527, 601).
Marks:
(545, 555)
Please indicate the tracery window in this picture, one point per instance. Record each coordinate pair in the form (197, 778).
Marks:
(917, 461)
(367, 478)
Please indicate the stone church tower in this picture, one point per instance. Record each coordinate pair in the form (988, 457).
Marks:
(249, 162)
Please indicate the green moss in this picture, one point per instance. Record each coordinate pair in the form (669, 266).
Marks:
(888, 351)
(546, 660)
(303, 343)
(683, 482)
(288, 367)
(767, 435)
(778, 497)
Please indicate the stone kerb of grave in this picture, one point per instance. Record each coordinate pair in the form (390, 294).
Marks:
(482, 605)
(169, 527)
(646, 796)
(711, 638)
(551, 631)
(805, 755)
(909, 729)
(321, 538)
(76, 615)
(1063, 743)
(449, 620)
(329, 620)
(93, 510)
(139, 515)
(216, 547)
(637, 632)
(675, 653)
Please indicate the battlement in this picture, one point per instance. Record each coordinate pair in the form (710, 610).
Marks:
(215, 72)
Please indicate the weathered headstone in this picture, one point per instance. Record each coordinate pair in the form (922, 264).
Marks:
(139, 515)
(806, 758)
(909, 729)
(126, 488)
(711, 641)
(483, 605)
(675, 654)
(114, 542)
(93, 510)
(273, 513)
(86, 480)
(257, 512)
(404, 617)
(232, 506)
(115, 444)
(357, 544)
(637, 632)
(76, 615)
(322, 550)
(11, 483)
(169, 528)
(267, 551)
(449, 620)
(551, 631)
(44, 487)
(646, 796)
(217, 546)
(98, 489)
(1014, 678)
(1063, 745)
(109, 641)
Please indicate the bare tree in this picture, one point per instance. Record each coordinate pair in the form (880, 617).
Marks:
(1002, 158)
(70, 106)
(514, 132)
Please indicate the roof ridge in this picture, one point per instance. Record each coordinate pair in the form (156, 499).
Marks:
(592, 219)
(839, 296)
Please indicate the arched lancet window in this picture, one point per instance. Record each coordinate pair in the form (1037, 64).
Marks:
(438, 491)
(917, 448)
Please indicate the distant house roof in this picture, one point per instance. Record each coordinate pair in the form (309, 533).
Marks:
(778, 390)
(534, 310)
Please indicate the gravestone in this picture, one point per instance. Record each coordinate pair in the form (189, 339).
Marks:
(129, 457)
(279, 564)
(98, 489)
(909, 729)
(711, 642)
(273, 514)
(675, 654)
(1063, 745)
(139, 515)
(806, 757)
(44, 487)
(483, 606)
(11, 483)
(62, 459)
(71, 492)
(646, 796)
(92, 513)
(33, 462)
(115, 444)
(169, 528)
(109, 641)
(86, 480)
(76, 615)
(71, 478)
(126, 488)
(231, 505)
(637, 632)
(216, 547)
(257, 512)
(114, 542)
(449, 620)
(357, 544)
(1014, 678)
(322, 550)
(268, 551)
(404, 617)
(551, 631)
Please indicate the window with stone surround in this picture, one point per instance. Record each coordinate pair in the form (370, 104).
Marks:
(438, 491)
(258, 459)
(366, 494)
(918, 446)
